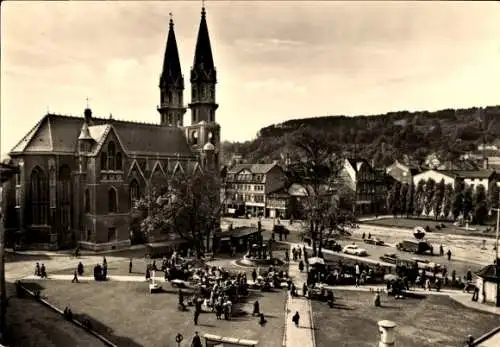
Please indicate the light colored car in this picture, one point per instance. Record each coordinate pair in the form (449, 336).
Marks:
(354, 250)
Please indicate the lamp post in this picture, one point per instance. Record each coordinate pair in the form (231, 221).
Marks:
(6, 172)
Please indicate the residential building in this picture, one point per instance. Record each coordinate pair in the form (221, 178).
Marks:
(472, 178)
(368, 185)
(402, 173)
(79, 176)
(247, 186)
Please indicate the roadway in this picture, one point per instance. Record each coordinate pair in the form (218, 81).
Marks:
(467, 252)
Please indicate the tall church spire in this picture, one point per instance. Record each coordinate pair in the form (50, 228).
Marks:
(203, 59)
(203, 77)
(171, 106)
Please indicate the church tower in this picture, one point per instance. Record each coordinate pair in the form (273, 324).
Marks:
(171, 107)
(203, 77)
(204, 133)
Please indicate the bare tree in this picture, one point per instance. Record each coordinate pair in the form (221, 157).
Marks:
(188, 206)
(318, 172)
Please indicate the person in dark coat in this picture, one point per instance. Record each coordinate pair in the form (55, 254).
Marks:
(296, 318)
(254, 275)
(196, 340)
(80, 269)
(262, 320)
(130, 266)
(301, 266)
(37, 269)
(181, 300)
(43, 271)
(256, 308)
(449, 254)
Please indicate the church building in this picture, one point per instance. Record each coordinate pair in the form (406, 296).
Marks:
(79, 176)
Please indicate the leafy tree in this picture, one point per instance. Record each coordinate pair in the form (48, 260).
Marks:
(410, 199)
(419, 198)
(429, 194)
(319, 172)
(437, 199)
(493, 194)
(468, 204)
(480, 205)
(447, 200)
(394, 199)
(187, 206)
(458, 200)
(403, 196)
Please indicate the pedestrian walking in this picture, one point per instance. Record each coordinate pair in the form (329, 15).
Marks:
(130, 266)
(75, 277)
(449, 255)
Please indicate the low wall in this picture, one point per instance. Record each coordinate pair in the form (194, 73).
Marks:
(108, 246)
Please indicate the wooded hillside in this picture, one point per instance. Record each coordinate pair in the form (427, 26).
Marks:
(382, 138)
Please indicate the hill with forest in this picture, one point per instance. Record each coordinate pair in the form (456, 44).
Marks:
(381, 138)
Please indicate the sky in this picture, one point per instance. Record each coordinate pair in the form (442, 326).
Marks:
(275, 60)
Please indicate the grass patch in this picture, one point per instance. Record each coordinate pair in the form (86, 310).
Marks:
(32, 324)
(433, 321)
(128, 315)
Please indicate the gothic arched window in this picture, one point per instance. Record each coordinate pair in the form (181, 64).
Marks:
(104, 161)
(169, 97)
(64, 196)
(119, 161)
(134, 192)
(111, 155)
(87, 200)
(112, 200)
(39, 197)
(194, 137)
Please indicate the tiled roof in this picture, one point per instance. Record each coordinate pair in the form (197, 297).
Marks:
(56, 133)
(468, 173)
(253, 168)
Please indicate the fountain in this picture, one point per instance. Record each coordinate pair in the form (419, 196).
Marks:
(259, 254)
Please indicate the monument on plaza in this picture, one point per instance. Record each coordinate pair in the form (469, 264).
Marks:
(260, 253)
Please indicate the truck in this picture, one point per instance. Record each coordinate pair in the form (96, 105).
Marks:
(415, 246)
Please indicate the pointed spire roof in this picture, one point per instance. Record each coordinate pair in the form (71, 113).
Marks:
(171, 63)
(203, 54)
(85, 133)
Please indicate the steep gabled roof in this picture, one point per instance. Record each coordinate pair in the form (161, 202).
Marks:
(253, 168)
(59, 134)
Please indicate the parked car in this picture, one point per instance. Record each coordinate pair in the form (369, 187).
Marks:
(354, 250)
(332, 244)
(416, 246)
(390, 258)
(374, 241)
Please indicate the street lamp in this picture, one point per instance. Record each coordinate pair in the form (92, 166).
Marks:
(6, 173)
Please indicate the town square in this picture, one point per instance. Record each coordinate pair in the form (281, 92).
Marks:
(195, 220)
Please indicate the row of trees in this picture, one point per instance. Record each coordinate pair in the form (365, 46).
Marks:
(440, 200)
